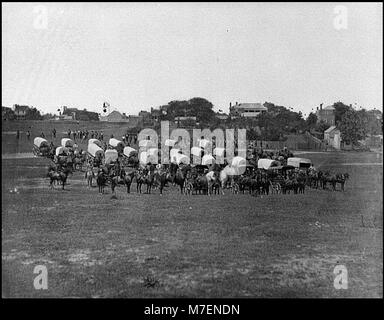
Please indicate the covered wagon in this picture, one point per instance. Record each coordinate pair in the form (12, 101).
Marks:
(204, 143)
(299, 162)
(207, 159)
(67, 143)
(129, 157)
(116, 145)
(180, 159)
(219, 152)
(96, 142)
(267, 163)
(111, 156)
(170, 142)
(61, 151)
(239, 164)
(196, 151)
(41, 147)
(174, 152)
(128, 152)
(146, 158)
(95, 155)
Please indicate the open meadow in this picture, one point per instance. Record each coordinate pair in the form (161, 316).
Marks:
(147, 245)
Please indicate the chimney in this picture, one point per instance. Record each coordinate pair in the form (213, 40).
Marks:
(236, 103)
(317, 108)
(321, 106)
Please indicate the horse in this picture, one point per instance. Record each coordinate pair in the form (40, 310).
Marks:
(149, 180)
(139, 175)
(201, 184)
(227, 177)
(101, 181)
(114, 178)
(211, 178)
(59, 176)
(127, 179)
(178, 177)
(290, 184)
(162, 177)
(333, 179)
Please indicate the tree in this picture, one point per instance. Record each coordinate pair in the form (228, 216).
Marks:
(353, 126)
(322, 126)
(340, 110)
(33, 114)
(311, 121)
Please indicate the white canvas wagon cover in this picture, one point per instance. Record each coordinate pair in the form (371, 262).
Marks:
(66, 142)
(299, 162)
(94, 150)
(39, 142)
(174, 152)
(96, 142)
(219, 152)
(146, 158)
(180, 158)
(204, 143)
(110, 156)
(170, 142)
(267, 163)
(207, 159)
(196, 151)
(61, 150)
(128, 151)
(238, 162)
(115, 143)
(153, 151)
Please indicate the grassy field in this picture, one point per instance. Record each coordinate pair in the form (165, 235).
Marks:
(197, 246)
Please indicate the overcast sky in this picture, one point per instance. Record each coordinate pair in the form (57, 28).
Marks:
(142, 55)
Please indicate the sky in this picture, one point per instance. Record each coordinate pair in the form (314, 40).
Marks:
(141, 55)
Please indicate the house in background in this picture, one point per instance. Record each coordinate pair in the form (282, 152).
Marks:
(246, 110)
(20, 111)
(326, 114)
(114, 116)
(332, 137)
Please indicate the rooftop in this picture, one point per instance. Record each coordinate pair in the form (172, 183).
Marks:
(330, 129)
(256, 105)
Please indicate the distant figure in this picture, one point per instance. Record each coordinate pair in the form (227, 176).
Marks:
(42, 134)
(111, 136)
(28, 135)
(17, 134)
(54, 132)
(101, 136)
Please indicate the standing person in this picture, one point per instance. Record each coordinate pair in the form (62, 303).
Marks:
(28, 135)
(54, 132)
(69, 133)
(101, 136)
(17, 134)
(74, 135)
(42, 134)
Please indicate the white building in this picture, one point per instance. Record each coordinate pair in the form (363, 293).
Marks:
(246, 109)
(332, 136)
